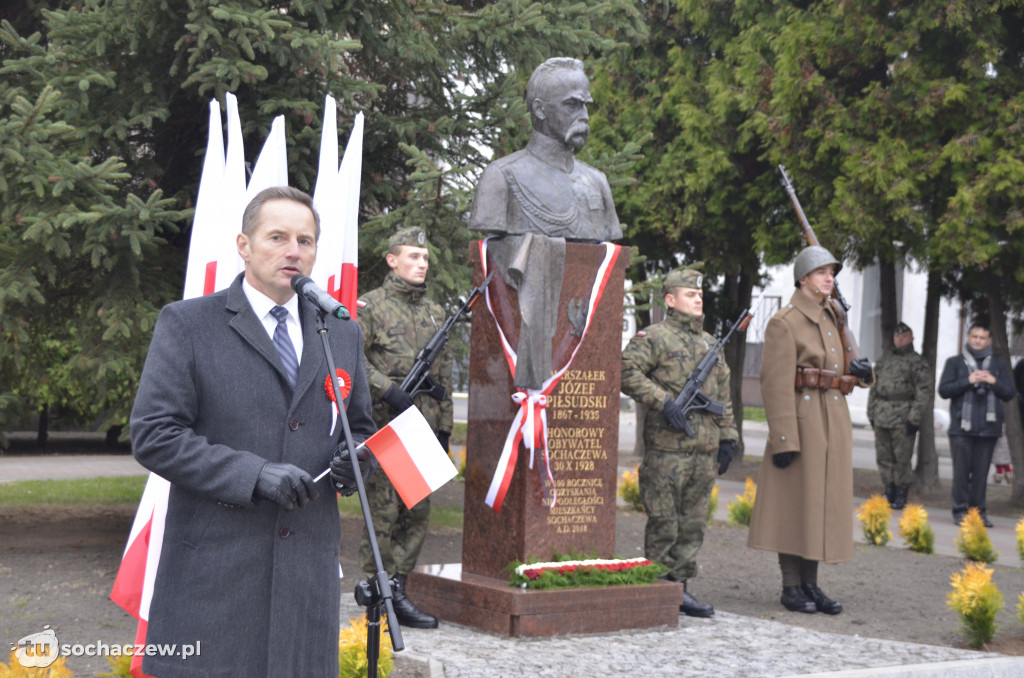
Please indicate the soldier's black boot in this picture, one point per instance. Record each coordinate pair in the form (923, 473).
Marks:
(901, 498)
(407, 613)
(795, 600)
(822, 602)
(691, 608)
(890, 494)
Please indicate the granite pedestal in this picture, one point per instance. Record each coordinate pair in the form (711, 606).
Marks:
(582, 436)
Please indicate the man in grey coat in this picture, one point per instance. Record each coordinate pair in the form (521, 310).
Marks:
(232, 410)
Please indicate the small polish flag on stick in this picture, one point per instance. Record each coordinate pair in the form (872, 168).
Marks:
(410, 455)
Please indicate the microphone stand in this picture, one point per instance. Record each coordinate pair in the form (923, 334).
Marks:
(375, 593)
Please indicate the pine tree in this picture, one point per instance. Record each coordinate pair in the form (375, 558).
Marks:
(103, 108)
(701, 191)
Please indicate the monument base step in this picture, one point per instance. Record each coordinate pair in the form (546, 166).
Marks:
(492, 605)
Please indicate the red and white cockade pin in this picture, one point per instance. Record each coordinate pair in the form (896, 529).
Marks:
(344, 385)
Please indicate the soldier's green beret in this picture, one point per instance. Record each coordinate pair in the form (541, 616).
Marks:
(683, 277)
(902, 328)
(414, 236)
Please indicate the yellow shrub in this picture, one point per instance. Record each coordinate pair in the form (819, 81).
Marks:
(14, 669)
(973, 540)
(874, 515)
(712, 502)
(459, 459)
(629, 490)
(1020, 607)
(120, 667)
(1020, 538)
(741, 509)
(352, 650)
(977, 600)
(915, 530)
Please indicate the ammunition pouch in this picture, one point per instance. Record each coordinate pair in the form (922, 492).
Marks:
(823, 380)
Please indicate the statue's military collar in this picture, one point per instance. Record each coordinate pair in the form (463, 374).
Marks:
(552, 152)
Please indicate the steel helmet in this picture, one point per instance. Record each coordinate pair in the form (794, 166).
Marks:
(811, 258)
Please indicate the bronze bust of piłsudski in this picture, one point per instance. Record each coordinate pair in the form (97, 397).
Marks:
(536, 199)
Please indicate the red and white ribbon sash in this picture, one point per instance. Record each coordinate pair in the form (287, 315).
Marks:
(530, 425)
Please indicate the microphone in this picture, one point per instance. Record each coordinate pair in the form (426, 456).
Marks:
(304, 286)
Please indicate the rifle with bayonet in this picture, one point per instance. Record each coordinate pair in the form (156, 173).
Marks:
(850, 347)
(692, 398)
(808, 232)
(419, 379)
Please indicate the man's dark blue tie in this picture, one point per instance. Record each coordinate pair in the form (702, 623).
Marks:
(285, 347)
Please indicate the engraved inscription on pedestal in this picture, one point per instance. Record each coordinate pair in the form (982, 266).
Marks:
(577, 451)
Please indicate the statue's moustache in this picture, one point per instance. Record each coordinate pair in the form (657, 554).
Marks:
(579, 128)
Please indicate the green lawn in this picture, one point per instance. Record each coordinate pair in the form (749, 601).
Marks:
(84, 491)
(440, 516)
(128, 490)
(753, 413)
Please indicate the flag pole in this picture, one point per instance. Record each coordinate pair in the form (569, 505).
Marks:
(373, 593)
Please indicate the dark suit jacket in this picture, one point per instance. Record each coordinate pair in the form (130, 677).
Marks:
(256, 584)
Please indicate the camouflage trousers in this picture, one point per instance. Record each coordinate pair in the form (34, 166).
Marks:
(675, 488)
(400, 531)
(894, 450)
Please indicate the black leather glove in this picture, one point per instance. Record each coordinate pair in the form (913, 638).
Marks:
(861, 368)
(783, 459)
(674, 414)
(286, 485)
(397, 399)
(342, 475)
(444, 437)
(726, 452)
(912, 429)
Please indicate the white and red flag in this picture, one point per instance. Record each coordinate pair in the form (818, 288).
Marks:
(411, 457)
(207, 244)
(213, 263)
(336, 197)
(271, 167)
(213, 260)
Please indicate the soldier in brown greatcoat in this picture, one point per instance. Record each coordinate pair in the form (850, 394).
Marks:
(805, 486)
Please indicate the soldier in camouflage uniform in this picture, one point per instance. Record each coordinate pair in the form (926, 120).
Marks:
(398, 321)
(896, 403)
(677, 471)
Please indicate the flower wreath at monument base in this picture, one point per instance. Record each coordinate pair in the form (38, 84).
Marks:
(565, 572)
